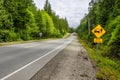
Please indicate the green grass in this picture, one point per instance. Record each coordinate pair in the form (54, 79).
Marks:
(21, 41)
(18, 42)
(67, 35)
(107, 69)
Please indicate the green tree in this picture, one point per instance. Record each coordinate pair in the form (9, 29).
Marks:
(20, 20)
(61, 25)
(49, 24)
(23, 18)
(6, 23)
(107, 14)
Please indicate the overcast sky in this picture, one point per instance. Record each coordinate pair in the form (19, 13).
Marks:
(73, 10)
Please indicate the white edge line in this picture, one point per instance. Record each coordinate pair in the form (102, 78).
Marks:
(9, 75)
(32, 46)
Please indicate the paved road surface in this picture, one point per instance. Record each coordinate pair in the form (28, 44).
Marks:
(72, 63)
(15, 58)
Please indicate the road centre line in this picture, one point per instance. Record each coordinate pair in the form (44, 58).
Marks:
(9, 75)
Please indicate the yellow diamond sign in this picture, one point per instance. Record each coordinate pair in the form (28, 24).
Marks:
(98, 31)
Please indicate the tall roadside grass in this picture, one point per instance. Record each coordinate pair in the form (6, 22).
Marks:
(107, 69)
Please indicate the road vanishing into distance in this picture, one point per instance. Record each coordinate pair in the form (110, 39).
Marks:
(22, 61)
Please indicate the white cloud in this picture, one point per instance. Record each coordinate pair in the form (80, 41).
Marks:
(74, 10)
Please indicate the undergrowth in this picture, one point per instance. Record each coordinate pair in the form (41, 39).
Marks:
(107, 69)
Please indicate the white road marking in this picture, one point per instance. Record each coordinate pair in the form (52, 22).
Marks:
(21, 46)
(32, 46)
(9, 75)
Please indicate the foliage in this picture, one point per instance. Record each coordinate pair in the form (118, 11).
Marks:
(21, 20)
(106, 13)
(115, 38)
(108, 73)
(48, 24)
(6, 23)
(107, 69)
(71, 30)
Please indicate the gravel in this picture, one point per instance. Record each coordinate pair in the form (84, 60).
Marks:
(72, 63)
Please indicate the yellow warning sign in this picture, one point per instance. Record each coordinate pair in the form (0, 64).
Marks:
(98, 40)
(98, 31)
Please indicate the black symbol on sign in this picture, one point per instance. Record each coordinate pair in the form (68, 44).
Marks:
(98, 31)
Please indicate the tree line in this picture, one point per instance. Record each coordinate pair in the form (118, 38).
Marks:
(21, 20)
(106, 13)
(105, 56)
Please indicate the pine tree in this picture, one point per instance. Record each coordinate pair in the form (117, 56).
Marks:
(47, 8)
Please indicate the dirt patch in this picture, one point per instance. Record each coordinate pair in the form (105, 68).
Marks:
(72, 63)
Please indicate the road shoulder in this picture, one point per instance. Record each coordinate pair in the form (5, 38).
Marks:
(72, 63)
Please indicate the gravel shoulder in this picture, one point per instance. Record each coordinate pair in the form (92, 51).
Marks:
(72, 63)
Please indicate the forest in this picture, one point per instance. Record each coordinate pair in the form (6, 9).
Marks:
(21, 20)
(107, 14)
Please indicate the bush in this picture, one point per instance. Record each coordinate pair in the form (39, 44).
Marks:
(107, 69)
(115, 38)
(108, 73)
(4, 35)
(13, 36)
(109, 63)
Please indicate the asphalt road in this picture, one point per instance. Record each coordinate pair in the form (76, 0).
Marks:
(15, 58)
(72, 63)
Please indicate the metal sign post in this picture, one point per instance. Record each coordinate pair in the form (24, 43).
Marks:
(97, 47)
(98, 31)
(40, 34)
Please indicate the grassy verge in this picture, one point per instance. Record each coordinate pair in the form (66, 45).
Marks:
(19, 42)
(67, 35)
(107, 69)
